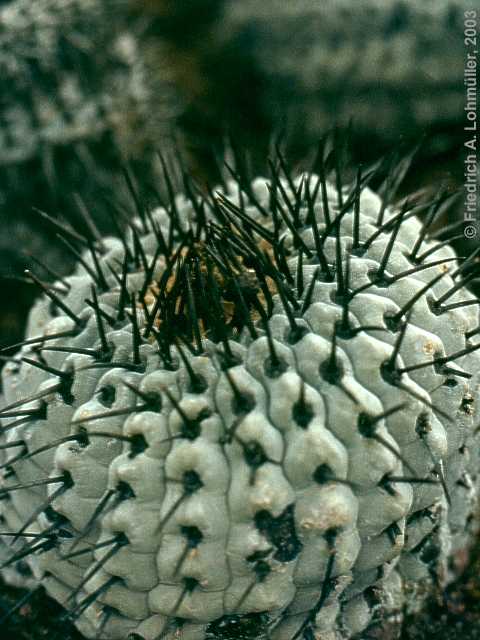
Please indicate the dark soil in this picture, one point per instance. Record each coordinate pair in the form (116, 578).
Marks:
(455, 613)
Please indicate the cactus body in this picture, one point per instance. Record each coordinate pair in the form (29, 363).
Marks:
(262, 422)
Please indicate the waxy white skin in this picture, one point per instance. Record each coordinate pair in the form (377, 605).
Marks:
(374, 528)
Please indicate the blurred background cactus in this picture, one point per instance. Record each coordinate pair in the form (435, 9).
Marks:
(395, 68)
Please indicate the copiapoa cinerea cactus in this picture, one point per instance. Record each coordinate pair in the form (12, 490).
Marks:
(252, 416)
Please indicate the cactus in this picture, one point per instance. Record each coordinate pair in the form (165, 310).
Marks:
(253, 415)
(73, 109)
(71, 73)
(395, 67)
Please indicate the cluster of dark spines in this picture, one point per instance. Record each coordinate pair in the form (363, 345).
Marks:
(239, 372)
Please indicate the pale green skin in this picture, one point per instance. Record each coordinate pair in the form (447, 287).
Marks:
(224, 508)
